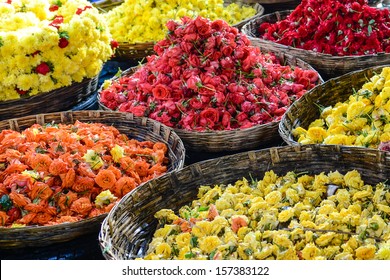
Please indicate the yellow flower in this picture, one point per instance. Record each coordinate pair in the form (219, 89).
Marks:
(325, 239)
(286, 215)
(383, 253)
(201, 228)
(353, 180)
(104, 198)
(183, 239)
(117, 153)
(273, 197)
(310, 251)
(209, 243)
(164, 249)
(317, 134)
(93, 159)
(365, 252)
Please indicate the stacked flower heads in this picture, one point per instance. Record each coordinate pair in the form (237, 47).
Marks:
(339, 28)
(288, 217)
(362, 120)
(45, 45)
(207, 76)
(143, 21)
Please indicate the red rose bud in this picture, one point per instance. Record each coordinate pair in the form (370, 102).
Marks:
(53, 8)
(63, 43)
(57, 21)
(43, 68)
(21, 92)
(14, 214)
(114, 44)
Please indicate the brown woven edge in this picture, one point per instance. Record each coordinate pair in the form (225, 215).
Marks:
(329, 66)
(142, 129)
(137, 51)
(129, 227)
(56, 100)
(232, 140)
(305, 110)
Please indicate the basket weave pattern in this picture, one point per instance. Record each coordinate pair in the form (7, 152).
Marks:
(128, 228)
(329, 66)
(142, 129)
(56, 100)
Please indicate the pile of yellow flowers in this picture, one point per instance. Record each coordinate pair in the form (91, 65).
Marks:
(295, 216)
(362, 120)
(138, 21)
(48, 44)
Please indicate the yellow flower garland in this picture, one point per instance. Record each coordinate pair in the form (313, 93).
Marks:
(138, 21)
(45, 45)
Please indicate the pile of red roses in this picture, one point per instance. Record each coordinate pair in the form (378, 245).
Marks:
(336, 27)
(207, 76)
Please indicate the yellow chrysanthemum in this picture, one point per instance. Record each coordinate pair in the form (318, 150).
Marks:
(104, 198)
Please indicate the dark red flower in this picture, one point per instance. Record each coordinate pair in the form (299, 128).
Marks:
(43, 68)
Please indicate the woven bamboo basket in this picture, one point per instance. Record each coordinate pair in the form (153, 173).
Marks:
(61, 99)
(129, 227)
(329, 66)
(142, 129)
(232, 140)
(137, 51)
(306, 109)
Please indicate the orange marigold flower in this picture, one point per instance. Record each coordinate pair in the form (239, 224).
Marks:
(123, 186)
(58, 167)
(19, 200)
(82, 206)
(3, 218)
(69, 178)
(105, 179)
(41, 162)
(83, 184)
(40, 190)
(65, 200)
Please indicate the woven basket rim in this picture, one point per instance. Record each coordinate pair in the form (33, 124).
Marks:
(246, 29)
(93, 116)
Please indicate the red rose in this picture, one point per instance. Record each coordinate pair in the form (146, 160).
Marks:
(53, 8)
(161, 92)
(63, 43)
(42, 68)
(203, 26)
(208, 117)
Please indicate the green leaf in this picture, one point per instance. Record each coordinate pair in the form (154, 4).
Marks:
(5, 203)
(369, 29)
(212, 254)
(248, 251)
(194, 241)
(64, 34)
(203, 208)
(189, 255)
(1, 42)
(371, 22)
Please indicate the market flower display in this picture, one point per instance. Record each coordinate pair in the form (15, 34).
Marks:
(362, 120)
(322, 216)
(60, 173)
(45, 45)
(336, 27)
(207, 76)
(138, 21)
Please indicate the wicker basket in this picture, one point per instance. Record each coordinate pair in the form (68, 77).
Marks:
(137, 51)
(329, 66)
(232, 140)
(306, 109)
(142, 129)
(128, 228)
(61, 99)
